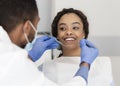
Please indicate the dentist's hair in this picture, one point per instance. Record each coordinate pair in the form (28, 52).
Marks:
(67, 11)
(15, 12)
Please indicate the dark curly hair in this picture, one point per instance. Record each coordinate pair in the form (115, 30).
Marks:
(70, 10)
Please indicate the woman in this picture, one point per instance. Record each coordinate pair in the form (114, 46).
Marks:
(69, 27)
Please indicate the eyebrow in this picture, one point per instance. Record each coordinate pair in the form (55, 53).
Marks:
(76, 23)
(65, 24)
(61, 24)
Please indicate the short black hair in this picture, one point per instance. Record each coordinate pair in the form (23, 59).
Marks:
(14, 12)
(70, 10)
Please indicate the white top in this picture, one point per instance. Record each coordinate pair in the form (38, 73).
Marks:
(17, 70)
(61, 70)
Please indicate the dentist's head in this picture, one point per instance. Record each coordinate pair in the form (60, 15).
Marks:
(19, 18)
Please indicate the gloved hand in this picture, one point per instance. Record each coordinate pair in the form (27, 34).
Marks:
(41, 44)
(88, 51)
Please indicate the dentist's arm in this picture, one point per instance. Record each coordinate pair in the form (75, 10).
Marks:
(88, 54)
(41, 45)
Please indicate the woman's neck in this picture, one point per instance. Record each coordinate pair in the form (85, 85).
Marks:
(71, 52)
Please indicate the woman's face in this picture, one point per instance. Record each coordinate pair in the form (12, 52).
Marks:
(70, 30)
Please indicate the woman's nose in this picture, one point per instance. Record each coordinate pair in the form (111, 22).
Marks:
(69, 32)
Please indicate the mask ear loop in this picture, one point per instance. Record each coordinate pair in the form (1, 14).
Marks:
(32, 26)
(26, 36)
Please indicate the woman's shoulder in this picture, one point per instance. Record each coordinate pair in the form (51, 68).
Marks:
(102, 64)
(100, 71)
(103, 60)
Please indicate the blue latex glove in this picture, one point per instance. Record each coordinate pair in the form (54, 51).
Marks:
(83, 72)
(41, 44)
(88, 51)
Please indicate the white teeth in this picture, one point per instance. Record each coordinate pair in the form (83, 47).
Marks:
(70, 39)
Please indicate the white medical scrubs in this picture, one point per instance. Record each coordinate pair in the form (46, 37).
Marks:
(16, 69)
(61, 70)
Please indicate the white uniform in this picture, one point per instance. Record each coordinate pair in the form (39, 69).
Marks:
(16, 69)
(61, 70)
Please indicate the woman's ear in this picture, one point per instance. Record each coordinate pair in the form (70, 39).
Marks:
(57, 38)
(83, 37)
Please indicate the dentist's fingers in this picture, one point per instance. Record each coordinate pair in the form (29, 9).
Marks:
(82, 43)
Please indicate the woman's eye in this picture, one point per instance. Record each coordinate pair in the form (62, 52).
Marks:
(76, 28)
(62, 28)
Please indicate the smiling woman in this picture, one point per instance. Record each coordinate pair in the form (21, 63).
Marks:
(70, 31)
(70, 26)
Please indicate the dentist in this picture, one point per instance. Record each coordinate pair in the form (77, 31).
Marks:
(18, 20)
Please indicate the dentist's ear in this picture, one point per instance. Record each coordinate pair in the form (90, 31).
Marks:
(26, 27)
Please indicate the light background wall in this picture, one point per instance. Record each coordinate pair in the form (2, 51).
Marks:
(103, 17)
(104, 20)
(44, 7)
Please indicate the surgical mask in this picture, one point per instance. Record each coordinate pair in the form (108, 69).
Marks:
(29, 45)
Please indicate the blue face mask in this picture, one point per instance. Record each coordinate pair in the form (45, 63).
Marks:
(29, 45)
